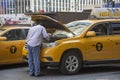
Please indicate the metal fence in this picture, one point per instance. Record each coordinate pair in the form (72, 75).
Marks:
(22, 6)
(13, 6)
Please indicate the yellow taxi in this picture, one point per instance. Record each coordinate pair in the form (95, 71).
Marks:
(12, 40)
(82, 42)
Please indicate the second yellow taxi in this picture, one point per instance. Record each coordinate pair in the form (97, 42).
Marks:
(12, 40)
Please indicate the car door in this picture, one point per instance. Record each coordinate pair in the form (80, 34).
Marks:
(10, 50)
(99, 46)
(115, 39)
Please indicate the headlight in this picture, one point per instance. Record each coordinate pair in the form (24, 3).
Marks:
(53, 44)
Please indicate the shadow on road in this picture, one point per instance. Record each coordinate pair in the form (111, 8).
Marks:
(55, 71)
(100, 69)
(87, 70)
(12, 66)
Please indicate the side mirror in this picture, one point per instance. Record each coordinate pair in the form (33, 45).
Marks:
(3, 38)
(91, 34)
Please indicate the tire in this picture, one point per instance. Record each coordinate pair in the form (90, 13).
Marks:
(71, 63)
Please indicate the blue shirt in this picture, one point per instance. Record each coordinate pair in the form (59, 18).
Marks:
(35, 35)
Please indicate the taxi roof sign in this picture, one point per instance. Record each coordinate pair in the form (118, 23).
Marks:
(105, 13)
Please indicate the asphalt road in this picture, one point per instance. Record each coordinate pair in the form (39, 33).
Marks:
(20, 72)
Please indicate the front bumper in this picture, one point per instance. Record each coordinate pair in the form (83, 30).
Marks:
(50, 64)
(43, 64)
(48, 56)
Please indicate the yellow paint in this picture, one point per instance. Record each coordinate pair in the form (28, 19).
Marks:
(108, 14)
(87, 45)
(11, 50)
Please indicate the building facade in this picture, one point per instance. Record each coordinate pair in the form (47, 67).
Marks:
(22, 6)
(13, 10)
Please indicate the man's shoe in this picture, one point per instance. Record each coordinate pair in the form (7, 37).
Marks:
(32, 74)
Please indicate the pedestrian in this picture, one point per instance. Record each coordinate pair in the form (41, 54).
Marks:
(34, 41)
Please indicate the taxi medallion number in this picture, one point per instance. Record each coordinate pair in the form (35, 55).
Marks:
(13, 49)
(99, 46)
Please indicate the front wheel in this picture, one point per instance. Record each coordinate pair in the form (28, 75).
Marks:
(70, 63)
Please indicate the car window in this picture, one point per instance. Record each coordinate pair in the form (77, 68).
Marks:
(115, 28)
(14, 34)
(26, 32)
(101, 29)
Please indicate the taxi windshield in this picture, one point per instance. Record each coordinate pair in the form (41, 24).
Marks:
(63, 33)
(77, 27)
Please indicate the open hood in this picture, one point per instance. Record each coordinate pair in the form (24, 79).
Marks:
(50, 23)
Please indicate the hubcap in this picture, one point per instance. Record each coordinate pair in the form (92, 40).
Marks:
(71, 63)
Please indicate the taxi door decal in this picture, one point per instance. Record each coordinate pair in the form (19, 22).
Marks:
(13, 49)
(99, 46)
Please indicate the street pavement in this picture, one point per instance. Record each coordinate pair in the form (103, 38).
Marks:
(20, 72)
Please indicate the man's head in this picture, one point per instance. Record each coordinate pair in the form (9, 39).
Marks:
(38, 22)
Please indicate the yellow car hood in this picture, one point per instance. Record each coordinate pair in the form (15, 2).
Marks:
(50, 23)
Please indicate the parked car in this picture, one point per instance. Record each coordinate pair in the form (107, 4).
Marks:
(79, 43)
(12, 40)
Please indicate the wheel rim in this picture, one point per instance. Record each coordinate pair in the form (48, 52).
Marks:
(71, 63)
